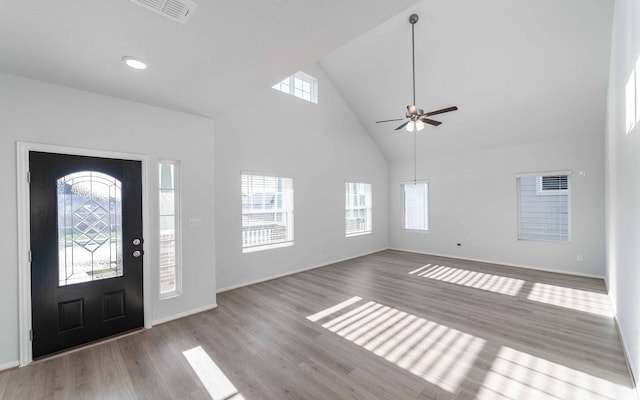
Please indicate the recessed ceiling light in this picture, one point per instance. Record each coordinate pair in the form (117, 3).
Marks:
(134, 62)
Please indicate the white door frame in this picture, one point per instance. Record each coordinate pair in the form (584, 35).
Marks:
(24, 233)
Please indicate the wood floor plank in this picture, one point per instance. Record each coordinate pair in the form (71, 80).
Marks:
(391, 325)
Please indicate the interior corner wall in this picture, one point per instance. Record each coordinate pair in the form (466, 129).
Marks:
(37, 112)
(473, 201)
(623, 176)
(320, 146)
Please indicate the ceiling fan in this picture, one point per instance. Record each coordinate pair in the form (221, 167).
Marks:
(416, 118)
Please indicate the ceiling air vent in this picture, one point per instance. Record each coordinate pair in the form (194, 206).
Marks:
(177, 10)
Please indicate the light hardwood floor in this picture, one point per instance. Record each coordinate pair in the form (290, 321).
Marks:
(391, 325)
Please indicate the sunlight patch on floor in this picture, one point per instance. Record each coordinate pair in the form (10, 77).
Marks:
(415, 271)
(211, 376)
(438, 354)
(575, 299)
(515, 375)
(328, 311)
(478, 280)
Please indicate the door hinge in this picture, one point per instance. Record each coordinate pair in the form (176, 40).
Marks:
(31, 335)
(28, 176)
(29, 255)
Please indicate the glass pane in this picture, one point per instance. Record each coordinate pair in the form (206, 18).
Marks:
(267, 206)
(415, 206)
(167, 263)
(543, 215)
(357, 207)
(89, 227)
(167, 224)
(166, 176)
(167, 202)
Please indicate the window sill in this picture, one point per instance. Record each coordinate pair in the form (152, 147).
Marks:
(266, 247)
(170, 295)
(358, 234)
(415, 230)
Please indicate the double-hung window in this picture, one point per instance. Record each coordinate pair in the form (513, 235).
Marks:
(169, 207)
(358, 219)
(267, 212)
(415, 210)
(543, 206)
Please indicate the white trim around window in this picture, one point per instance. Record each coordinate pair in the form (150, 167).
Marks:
(415, 206)
(300, 85)
(267, 212)
(543, 216)
(358, 208)
(169, 229)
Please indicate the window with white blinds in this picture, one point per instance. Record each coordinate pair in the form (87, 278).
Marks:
(415, 199)
(543, 205)
(169, 210)
(358, 218)
(267, 212)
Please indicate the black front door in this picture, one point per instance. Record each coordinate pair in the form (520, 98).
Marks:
(86, 249)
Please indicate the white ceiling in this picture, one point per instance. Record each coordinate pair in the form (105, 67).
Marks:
(520, 71)
(224, 53)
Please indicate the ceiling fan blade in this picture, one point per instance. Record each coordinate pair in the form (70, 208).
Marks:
(390, 120)
(444, 110)
(430, 121)
(412, 109)
(402, 126)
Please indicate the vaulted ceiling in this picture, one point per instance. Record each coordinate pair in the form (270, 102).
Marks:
(521, 71)
(225, 52)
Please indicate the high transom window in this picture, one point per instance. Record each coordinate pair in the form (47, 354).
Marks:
(301, 85)
(267, 212)
(358, 218)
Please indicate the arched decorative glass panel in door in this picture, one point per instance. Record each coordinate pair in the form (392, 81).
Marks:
(89, 227)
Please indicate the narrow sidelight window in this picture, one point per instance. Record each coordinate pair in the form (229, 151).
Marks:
(169, 206)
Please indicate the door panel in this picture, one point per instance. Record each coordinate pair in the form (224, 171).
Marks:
(86, 284)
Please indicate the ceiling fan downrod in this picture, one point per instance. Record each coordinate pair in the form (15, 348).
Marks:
(413, 19)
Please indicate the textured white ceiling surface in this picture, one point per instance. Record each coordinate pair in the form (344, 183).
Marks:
(521, 72)
(224, 53)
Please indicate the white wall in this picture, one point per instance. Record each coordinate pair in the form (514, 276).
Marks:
(319, 146)
(37, 112)
(623, 176)
(473, 201)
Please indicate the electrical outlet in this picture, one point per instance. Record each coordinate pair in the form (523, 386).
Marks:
(579, 257)
(195, 222)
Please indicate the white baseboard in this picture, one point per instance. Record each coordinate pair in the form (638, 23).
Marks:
(9, 365)
(185, 314)
(297, 271)
(626, 355)
(557, 271)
